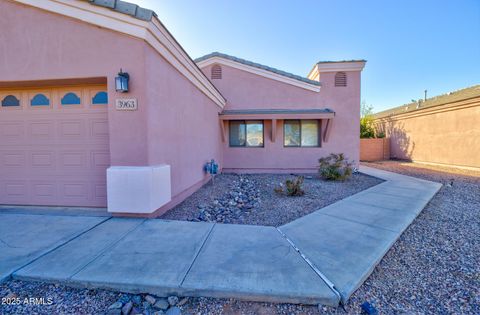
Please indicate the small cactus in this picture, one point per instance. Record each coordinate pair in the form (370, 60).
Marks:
(293, 187)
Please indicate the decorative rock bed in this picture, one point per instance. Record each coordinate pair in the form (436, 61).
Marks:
(432, 269)
(250, 199)
(146, 304)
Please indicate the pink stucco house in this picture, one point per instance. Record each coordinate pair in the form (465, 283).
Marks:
(72, 137)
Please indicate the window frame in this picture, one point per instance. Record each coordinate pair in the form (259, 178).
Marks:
(245, 130)
(18, 100)
(319, 133)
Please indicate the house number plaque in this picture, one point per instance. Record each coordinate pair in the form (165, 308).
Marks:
(126, 104)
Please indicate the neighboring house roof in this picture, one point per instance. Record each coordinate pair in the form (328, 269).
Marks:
(451, 97)
(130, 19)
(217, 57)
(126, 8)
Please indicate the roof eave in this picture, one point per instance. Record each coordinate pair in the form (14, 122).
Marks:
(153, 32)
(221, 59)
(335, 66)
(340, 66)
(277, 114)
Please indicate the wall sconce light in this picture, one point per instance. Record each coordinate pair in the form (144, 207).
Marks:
(121, 82)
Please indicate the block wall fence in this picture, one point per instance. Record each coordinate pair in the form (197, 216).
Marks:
(376, 149)
(447, 134)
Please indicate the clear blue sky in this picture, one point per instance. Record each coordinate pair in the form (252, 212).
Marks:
(410, 45)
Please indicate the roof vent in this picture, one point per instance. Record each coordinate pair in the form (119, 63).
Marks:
(216, 72)
(340, 79)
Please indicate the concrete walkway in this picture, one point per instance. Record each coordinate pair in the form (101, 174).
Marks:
(320, 258)
(25, 238)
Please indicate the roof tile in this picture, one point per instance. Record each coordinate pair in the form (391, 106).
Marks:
(144, 14)
(104, 3)
(126, 8)
(259, 66)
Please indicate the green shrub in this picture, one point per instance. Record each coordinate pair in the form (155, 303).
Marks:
(335, 167)
(293, 187)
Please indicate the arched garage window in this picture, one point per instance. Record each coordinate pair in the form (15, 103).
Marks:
(70, 99)
(10, 100)
(40, 100)
(100, 98)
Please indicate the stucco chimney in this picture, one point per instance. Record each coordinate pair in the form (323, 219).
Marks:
(335, 66)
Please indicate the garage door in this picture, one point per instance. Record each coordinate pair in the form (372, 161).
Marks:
(54, 147)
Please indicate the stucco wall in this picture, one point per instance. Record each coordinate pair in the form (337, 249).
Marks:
(245, 90)
(447, 134)
(175, 123)
(184, 130)
(37, 45)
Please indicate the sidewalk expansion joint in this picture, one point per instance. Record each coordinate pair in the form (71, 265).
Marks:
(106, 249)
(329, 283)
(198, 254)
(61, 245)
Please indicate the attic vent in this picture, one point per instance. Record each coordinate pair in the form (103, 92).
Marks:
(340, 79)
(216, 72)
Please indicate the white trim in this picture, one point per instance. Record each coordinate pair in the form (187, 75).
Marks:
(152, 32)
(257, 71)
(314, 74)
(341, 66)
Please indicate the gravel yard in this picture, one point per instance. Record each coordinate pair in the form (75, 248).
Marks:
(52, 299)
(250, 199)
(434, 267)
